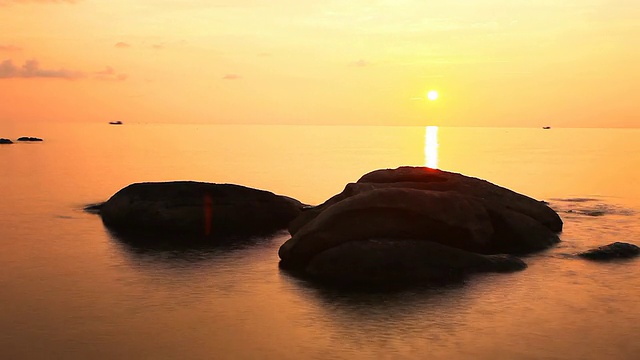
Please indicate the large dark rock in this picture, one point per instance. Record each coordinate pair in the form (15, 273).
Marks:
(28, 138)
(5, 141)
(617, 250)
(442, 217)
(196, 209)
(457, 217)
(375, 262)
(423, 178)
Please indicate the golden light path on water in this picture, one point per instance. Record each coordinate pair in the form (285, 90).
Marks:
(431, 147)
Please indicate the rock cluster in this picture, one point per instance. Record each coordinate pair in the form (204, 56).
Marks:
(410, 224)
(21, 139)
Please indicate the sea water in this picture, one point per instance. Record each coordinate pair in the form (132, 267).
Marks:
(69, 290)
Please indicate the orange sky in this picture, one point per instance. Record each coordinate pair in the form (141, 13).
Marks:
(572, 63)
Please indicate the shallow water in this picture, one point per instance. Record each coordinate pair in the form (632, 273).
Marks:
(71, 290)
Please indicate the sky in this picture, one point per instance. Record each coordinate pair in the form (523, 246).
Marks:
(570, 63)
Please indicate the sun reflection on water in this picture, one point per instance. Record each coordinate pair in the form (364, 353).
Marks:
(431, 147)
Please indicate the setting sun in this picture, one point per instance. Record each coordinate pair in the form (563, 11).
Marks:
(213, 173)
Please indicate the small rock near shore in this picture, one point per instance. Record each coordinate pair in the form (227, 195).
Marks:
(617, 250)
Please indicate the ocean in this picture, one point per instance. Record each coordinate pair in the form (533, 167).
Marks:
(69, 290)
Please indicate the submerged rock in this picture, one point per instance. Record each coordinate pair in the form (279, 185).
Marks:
(28, 138)
(463, 222)
(617, 250)
(196, 209)
(5, 141)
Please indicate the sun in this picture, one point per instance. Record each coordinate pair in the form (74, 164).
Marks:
(432, 95)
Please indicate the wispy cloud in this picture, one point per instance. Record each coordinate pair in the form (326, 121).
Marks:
(231, 77)
(122, 45)
(157, 46)
(8, 48)
(110, 74)
(32, 69)
(360, 63)
(14, 2)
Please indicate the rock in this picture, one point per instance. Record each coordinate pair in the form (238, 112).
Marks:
(27, 138)
(196, 209)
(517, 233)
(442, 180)
(5, 141)
(423, 178)
(617, 250)
(450, 212)
(383, 262)
(115, 122)
(93, 208)
(443, 217)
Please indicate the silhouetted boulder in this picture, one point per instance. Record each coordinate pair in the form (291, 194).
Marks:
(442, 217)
(423, 178)
(455, 213)
(5, 141)
(28, 138)
(196, 209)
(380, 262)
(617, 250)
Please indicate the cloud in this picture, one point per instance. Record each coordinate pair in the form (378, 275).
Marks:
(157, 46)
(32, 69)
(231, 77)
(122, 45)
(360, 63)
(108, 70)
(8, 48)
(13, 2)
(110, 74)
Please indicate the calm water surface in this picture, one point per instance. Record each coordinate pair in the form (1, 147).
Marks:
(68, 290)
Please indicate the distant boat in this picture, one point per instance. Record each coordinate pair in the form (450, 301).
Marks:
(115, 122)
(546, 127)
